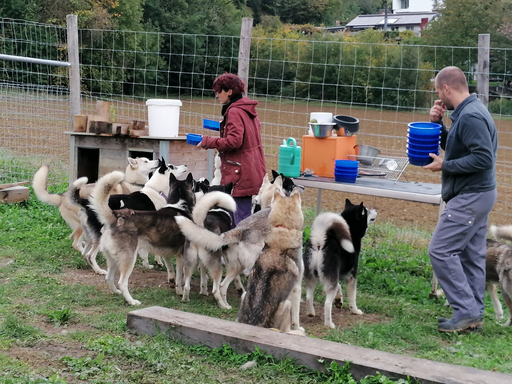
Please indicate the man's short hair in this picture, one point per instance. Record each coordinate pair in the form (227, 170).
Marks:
(453, 77)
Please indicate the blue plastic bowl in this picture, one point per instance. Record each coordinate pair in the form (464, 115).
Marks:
(345, 173)
(418, 141)
(194, 139)
(420, 153)
(345, 179)
(424, 128)
(426, 137)
(346, 163)
(423, 148)
(420, 161)
(211, 124)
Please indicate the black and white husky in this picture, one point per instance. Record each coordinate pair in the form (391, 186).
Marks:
(332, 253)
(213, 211)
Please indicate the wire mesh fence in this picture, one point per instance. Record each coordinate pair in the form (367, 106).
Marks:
(385, 86)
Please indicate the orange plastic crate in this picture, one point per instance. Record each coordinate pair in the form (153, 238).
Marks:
(319, 154)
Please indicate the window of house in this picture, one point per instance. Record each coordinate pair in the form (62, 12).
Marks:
(409, 27)
(405, 4)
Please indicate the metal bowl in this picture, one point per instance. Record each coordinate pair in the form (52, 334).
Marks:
(367, 154)
(322, 130)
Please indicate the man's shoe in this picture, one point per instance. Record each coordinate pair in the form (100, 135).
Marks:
(442, 320)
(461, 325)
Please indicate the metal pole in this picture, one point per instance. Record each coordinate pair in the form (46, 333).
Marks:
(482, 74)
(244, 52)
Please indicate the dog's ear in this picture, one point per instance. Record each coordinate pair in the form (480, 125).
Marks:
(229, 188)
(278, 182)
(274, 175)
(132, 162)
(190, 179)
(172, 178)
(348, 203)
(265, 180)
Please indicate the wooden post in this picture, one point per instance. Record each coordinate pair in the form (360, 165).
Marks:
(482, 74)
(244, 52)
(75, 107)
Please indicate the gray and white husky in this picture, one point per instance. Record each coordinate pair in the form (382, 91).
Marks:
(125, 231)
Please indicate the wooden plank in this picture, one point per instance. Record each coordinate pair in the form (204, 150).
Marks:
(80, 123)
(91, 122)
(103, 109)
(9, 185)
(213, 332)
(14, 194)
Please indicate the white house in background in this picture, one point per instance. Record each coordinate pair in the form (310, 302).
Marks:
(400, 6)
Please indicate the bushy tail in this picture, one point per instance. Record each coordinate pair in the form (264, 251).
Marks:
(39, 183)
(74, 192)
(503, 232)
(99, 197)
(210, 200)
(205, 238)
(330, 221)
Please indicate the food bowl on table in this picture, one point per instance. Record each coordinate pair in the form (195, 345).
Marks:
(349, 124)
(322, 130)
(367, 154)
(211, 124)
(194, 139)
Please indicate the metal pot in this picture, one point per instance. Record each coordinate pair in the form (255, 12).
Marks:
(322, 130)
(349, 124)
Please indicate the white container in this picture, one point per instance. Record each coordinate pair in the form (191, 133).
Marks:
(163, 117)
(321, 117)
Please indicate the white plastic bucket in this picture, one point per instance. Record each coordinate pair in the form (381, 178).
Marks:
(321, 117)
(163, 117)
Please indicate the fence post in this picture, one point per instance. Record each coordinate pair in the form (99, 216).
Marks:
(244, 51)
(74, 69)
(482, 73)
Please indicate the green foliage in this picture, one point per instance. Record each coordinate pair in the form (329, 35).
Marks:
(85, 367)
(60, 316)
(501, 106)
(19, 331)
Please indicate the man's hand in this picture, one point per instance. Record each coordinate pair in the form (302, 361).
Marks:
(436, 165)
(437, 111)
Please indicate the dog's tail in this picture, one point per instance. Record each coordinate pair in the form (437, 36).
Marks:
(330, 221)
(210, 200)
(205, 238)
(74, 192)
(99, 197)
(503, 232)
(39, 184)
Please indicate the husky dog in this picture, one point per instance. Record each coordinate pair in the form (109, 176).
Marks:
(266, 192)
(125, 231)
(332, 253)
(239, 256)
(278, 270)
(213, 211)
(136, 175)
(153, 194)
(139, 201)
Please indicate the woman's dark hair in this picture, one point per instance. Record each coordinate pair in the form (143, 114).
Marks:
(229, 81)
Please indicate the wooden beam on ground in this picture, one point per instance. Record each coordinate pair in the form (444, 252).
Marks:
(14, 194)
(9, 185)
(213, 332)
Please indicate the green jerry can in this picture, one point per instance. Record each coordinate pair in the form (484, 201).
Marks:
(289, 158)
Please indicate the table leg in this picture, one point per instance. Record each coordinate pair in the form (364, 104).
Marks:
(319, 201)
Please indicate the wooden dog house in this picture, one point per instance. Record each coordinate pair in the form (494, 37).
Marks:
(95, 155)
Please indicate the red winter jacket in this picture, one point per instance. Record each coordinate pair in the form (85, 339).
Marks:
(241, 151)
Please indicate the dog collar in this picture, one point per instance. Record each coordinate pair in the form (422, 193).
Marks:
(138, 185)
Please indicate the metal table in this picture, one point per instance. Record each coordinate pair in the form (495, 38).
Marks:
(412, 191)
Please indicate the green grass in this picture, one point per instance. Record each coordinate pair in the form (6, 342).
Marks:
(82, 332)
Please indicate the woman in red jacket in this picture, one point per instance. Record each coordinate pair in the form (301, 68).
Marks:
(239, 144)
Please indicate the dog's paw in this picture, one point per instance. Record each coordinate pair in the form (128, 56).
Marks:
(179, 291)
(147, 266)
(330, 325)
(338, 303)
(172, 283)
(356, 311)
(203, 292)
(101, 272)
(508, 323)
(134, 302)
(298, 332)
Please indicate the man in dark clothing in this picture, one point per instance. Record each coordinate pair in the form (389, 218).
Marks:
(458, 246)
